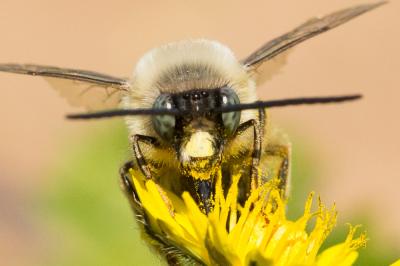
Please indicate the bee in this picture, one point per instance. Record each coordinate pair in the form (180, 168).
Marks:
(191, 108)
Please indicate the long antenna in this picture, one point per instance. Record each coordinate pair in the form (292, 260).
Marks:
(224, 109)
(287, 102)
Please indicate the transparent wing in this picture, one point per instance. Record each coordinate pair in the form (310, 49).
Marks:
(270, 68)
(303, 32)
(89, 89)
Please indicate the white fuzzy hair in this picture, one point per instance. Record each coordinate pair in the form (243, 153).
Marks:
(186, 65)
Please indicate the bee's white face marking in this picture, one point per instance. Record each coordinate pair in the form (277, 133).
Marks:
(200, 144)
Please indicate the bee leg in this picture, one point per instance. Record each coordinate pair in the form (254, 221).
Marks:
(275, 163)
(139, 155)
(145, 168)
(258, 127)
(129, 188)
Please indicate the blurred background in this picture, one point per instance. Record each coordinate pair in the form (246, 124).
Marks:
(60, 202)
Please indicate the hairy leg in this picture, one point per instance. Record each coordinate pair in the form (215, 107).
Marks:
(275, 163)
(258, 129)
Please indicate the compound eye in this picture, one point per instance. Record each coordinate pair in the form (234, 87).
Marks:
(164, 125)
(231, 119)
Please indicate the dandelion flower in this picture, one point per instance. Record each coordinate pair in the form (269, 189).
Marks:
(257, 233)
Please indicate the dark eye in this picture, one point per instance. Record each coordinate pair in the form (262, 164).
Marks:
(230, 120)
(164, 124)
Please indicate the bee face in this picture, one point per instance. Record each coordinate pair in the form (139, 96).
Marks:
(186, 132)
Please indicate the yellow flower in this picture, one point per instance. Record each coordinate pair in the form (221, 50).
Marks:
(257, 233)
(397, 263)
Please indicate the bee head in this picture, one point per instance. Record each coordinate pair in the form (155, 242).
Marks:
(198, 136)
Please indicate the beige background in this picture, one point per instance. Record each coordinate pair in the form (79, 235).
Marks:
(357, 143)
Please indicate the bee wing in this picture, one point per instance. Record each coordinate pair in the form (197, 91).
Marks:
(270, 68)
(89, 89)
(303, 32)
